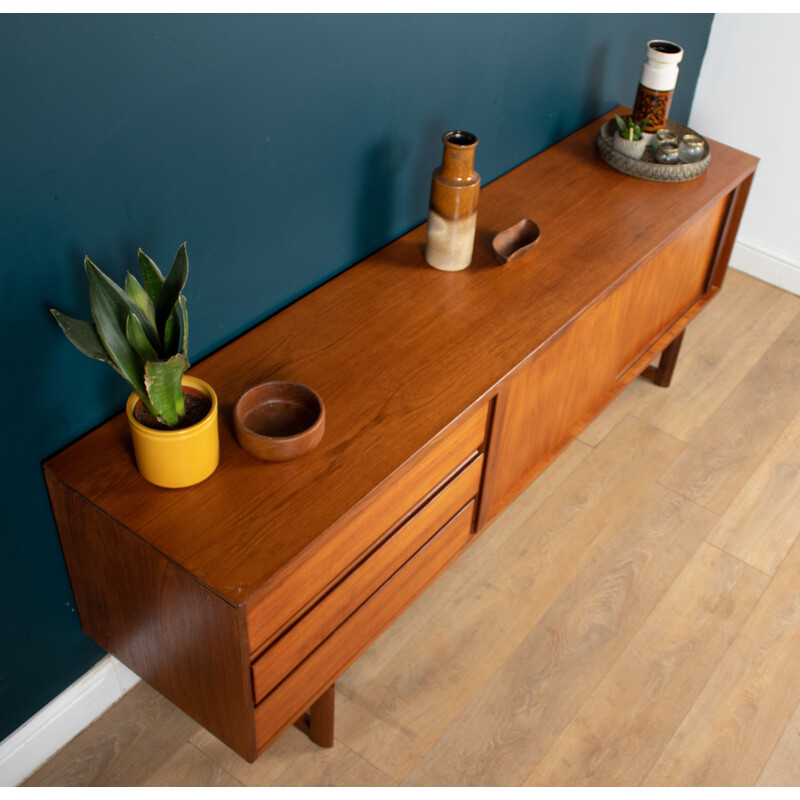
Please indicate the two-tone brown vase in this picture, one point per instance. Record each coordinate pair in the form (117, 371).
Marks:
(453, 210)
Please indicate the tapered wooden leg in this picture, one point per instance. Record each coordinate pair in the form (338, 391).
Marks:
(662, 374)
(317, 724)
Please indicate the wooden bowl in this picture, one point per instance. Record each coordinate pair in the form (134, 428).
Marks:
(516, 241)
(279, 420)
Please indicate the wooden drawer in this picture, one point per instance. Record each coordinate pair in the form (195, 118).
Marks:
(325, 664)
(281, 602)
(323, 618)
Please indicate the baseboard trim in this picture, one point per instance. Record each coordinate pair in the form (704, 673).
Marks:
(766, 265)
(47, 731)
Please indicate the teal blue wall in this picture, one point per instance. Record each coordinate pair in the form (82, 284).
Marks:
(283, 149)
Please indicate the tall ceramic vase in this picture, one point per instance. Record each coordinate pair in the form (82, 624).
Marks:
(454, 204)
(657, 83)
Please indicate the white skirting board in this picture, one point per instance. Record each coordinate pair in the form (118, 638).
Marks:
(47, 731)
(766, 265)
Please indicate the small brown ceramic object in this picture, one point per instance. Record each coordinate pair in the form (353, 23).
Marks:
(279, 420)
(515, 241)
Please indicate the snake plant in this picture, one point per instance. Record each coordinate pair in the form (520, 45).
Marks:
(142, 332)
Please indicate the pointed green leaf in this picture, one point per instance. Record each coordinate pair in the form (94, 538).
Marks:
(82, 334)
(138, 339)
(176, 333)
(163, 382)
(172, 334)
(171, 291)
(110, 310)
(185, 318)
(102, 279)
(139, 296)
(152, 278)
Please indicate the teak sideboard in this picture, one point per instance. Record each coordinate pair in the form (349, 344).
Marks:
(243, 599)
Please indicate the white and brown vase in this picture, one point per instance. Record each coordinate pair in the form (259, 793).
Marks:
(454, 204)
(657, 84)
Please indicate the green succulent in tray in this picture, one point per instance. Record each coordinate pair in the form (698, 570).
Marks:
(142, 332)
(629, 129)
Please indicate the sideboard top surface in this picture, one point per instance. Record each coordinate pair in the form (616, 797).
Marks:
(398, 351)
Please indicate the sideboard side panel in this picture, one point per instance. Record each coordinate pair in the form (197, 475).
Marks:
(729, 231)
(175, 634)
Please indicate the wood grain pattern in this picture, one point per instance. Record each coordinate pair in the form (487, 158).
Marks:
(664, 288)
(183, 640)
(661, 375)
(413, 367)
(783, 767)
(321, 669)
(545, 405)
(276, 603)
(319, 722)
(447, 663)
(321, 621)
(190, 767)
(624, 725)
(542, 404)
(752, 319)
(724, 453)
(242, 526)
(406, 640)
(728, 233)
(531, 498)
(763, 521)
(736, 722)
(507, 728)
(124, 747)
(396, 701)
(294, 761)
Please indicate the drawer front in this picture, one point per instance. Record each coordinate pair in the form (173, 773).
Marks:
(271, 611)
(321, 621)
(321, 669)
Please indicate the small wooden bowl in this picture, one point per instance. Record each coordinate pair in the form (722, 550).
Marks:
(279, 420)
(515, 241)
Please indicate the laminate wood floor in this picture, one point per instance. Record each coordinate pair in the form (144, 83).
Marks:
(633, 618)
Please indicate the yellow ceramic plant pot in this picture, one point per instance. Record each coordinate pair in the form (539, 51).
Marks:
(174, 459)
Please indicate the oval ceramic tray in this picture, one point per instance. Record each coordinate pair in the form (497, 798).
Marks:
(647, 167)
